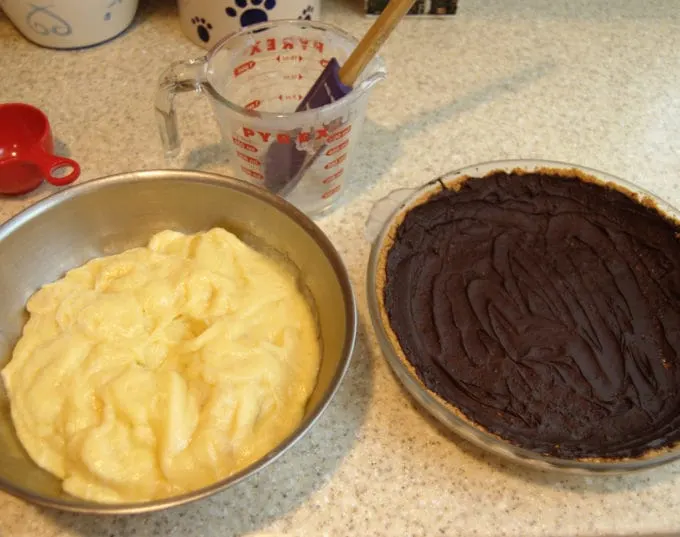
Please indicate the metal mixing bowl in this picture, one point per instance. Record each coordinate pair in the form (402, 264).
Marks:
(106, 216)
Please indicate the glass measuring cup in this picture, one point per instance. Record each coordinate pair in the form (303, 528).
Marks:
(254, 80)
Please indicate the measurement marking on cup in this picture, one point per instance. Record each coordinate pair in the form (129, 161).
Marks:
(244, 145)
(333, 177)
(249, 159)
(244, 67)
(253, 173)
(297, 76)
(335, 162)
(330, 192)
(289, 58)
(289, 97)
(252, 105)
(337, 148)
(337, 135)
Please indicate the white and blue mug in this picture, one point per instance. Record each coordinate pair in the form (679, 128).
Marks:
(207, 21)
(66, 24)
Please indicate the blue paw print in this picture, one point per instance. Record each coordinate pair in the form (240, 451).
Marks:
(257, 12)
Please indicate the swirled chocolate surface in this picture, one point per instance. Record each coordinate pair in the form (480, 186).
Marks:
(546, 309)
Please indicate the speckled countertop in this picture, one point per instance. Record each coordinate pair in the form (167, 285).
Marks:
(586, 81)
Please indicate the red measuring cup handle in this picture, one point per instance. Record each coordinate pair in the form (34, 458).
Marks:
(49, 164)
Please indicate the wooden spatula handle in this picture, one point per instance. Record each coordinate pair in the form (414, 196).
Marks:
(373, 40)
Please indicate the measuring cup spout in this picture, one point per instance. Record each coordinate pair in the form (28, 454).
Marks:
(179, 77)
(374, 73)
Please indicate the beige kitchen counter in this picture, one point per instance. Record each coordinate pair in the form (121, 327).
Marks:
(594, 82)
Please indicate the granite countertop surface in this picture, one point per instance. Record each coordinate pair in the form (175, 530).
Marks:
(591, 82)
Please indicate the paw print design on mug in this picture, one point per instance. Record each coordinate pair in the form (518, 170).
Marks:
(203, 28)
(307, 13)
(257, 11)
(205, 22)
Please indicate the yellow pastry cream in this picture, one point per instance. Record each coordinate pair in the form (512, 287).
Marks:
(162, 369)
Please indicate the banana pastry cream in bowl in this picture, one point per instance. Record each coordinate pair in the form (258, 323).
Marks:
(165, 335)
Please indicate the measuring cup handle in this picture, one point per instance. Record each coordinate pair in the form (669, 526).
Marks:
(49, 164)
(179, 77)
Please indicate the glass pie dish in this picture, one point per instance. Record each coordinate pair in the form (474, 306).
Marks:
(381, 226)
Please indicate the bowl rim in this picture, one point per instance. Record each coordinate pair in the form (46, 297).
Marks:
(278, 203)
(442, 411)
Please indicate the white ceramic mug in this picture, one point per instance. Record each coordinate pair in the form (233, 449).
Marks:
(68, 24)
(207, 21)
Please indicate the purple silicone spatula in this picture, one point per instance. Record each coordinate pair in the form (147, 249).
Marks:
(285, 163)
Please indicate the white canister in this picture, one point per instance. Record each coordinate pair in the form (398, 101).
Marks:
(207, 21)
(68, 24)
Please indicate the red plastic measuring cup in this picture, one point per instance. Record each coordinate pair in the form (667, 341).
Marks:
(27, 151)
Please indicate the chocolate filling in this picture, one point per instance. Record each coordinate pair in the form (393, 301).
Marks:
(546, 309)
